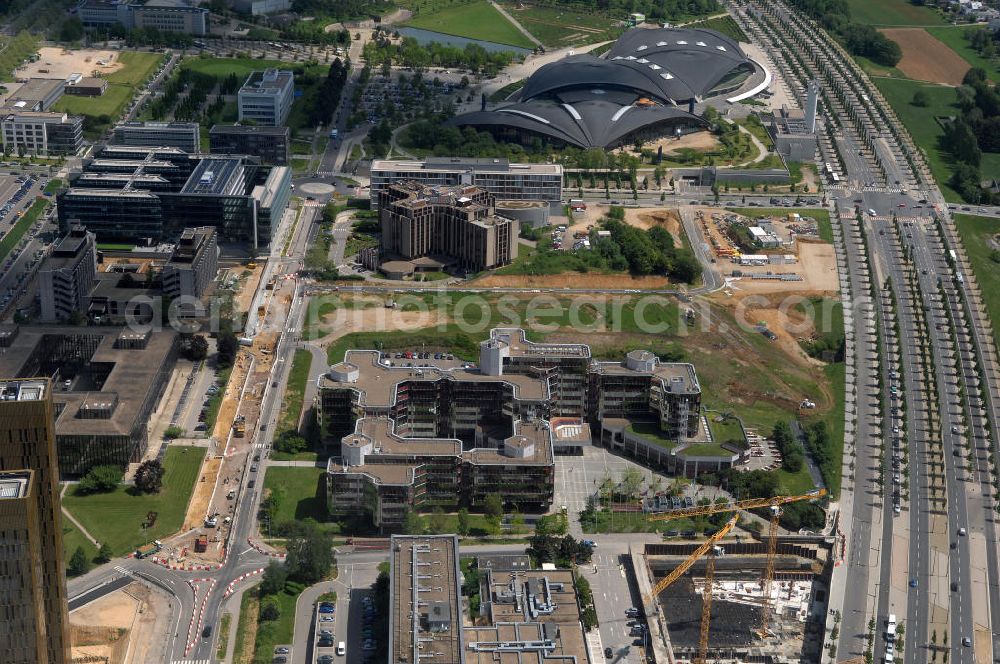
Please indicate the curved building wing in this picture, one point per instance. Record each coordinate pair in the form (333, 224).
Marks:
(588, 101)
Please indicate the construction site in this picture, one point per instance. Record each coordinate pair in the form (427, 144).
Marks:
(737, 595)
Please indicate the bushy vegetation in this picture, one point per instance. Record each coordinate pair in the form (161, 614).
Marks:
(975, 131)
(15, 51)
(790, 448)
(408, 53)
(341, 9)
(628, 249)
(655, 10)
(100, 479)
(859, 39)
(823, 450)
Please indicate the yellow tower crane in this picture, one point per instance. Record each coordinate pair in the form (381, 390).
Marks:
(774, 504)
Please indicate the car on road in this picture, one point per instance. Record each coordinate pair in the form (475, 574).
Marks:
(961, 532)
(609, 653)
(253, 468)
(954, 587)
(913, 582)
(207, 632)
(966, 641)
(326, 607)
(325, 659)
(327, 618)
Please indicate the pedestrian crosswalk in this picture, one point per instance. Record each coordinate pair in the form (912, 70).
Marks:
(123, 571)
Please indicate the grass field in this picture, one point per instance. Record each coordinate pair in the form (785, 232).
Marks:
(138, 66)
(246, 628)
(272, 633)
(291, 405)
(304, 492)
(724, 24)
(111, 103)
(122, 85)
(226, 66)
(921, 123)
(72, 538)
(976, 232)
(13, 52)
(892, 12)
(116, 517)
(954, 37)
(476, 20)
(17, 231)
(557, 27)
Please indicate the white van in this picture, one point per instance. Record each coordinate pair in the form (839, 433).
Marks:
(341, 649)
(890, 627)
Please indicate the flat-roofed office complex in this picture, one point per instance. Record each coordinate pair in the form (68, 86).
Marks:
(128, 192)
(266, 97)
(416, 432)
(506, 181)
(271, 144)
(184, 136)
(106, 383)
(527, 616)
(32, 570)
(193, 264)
(68, 275)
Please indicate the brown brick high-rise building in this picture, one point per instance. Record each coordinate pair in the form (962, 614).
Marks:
(27, 443)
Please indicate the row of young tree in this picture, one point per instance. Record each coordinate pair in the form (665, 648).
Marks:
(858, 38)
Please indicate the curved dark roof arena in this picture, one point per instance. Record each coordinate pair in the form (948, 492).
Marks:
(587, 101)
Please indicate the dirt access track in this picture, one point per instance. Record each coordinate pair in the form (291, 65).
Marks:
(926, 58)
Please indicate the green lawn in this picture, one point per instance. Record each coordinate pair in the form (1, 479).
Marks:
(53, 186)
(724, 24)
(557, 27)
(922, 125)
(122, 85)
(273, 633)
(653, 434)
(728, 429)
(222, 67)
(707, 449)
(892, 12)
(975, 233)
(117, 517)
(298, 376)
(27, 220)
(794, 484)
(139, 65)
(304, 492)
(476, 20)
(243, 645)
(13, 52)
(111, 103)
(954, 37)
(72, 538)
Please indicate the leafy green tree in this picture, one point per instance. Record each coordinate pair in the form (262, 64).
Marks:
(104, 553)
(100, 479)
(310, 556)
(920, 99)
(274, 579)
(78, 562)
(493, 505)
(269, 610)
(463, 522)
(149, 476)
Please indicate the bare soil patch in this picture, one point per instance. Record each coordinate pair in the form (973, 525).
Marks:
(702, 141)
(346, 321)
(60, 63)
(646, 218)
(125, 626)
(198, 507)
(926, 58)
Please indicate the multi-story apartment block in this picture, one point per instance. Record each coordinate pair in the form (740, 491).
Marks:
(41, 133)
(68, 275)
(506, 181)
(32, 570)
(271, 144)
(184, 136)
(442, 432)
(458, 224)
(266, 97)
(193, 264)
